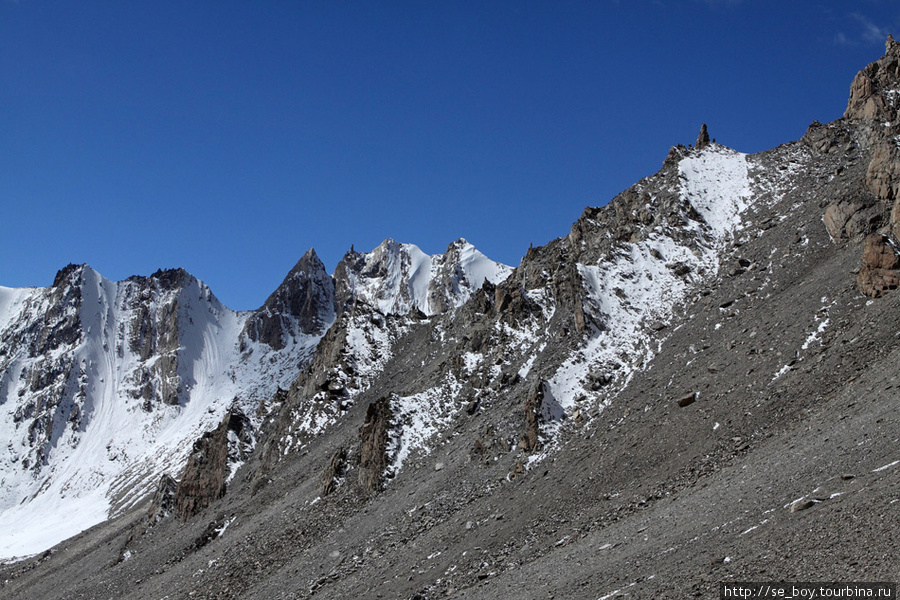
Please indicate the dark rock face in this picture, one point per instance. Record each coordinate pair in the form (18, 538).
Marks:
(302, 304)
(702, 138)
(373, 445)
(880, 270)
(54, 385)
(153, 334)
(163, 502)
(334, 470)
(204, 477)
(351, 264)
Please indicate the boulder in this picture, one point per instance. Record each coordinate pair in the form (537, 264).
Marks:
(687, 399)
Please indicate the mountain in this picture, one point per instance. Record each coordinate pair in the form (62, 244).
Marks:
(105, 385)
(695, 385)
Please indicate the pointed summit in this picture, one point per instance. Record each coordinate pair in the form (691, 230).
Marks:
(68, 274)
(302, 304)
(703, 138)
(873, 88)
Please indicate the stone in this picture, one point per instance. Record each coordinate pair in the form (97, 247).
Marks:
(533, 405)
(802, 505)
(687, 399)
(836, 217)
(880, 270)
(883, 173)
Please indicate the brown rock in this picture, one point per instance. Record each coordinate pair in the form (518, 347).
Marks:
(883, 174)
(836, 217)
(687, 399)
(802, 505)
(703, 138)
(880, 270)
(867, 92)
(204, 475)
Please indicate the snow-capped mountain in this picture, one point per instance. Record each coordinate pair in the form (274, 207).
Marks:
(395, 278)
(104, 385)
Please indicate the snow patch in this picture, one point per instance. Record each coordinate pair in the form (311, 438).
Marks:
(418, 418)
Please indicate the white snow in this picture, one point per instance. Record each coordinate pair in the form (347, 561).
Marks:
(780, 372)
(399, 277)
(634, 288)
(887, 466)
(470, 361)
(717, 185)
(419, 417)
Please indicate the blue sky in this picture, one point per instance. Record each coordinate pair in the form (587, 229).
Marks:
(229, 137)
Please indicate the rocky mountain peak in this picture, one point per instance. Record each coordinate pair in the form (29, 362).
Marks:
(397, 278)
(891, 46)
(874, 105)
(68, 274)
(302, 304)
(171, 279)
(875, 89)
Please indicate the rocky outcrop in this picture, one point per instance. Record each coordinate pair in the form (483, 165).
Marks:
(852, 219)
(205, 476)
(153, 334)
(874, 89)
(880, 270)
(875, 101)
(334, 471)
(373, 445)
(163, 502)
(703, 138)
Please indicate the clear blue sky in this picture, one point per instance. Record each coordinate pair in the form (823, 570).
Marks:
(229, 137)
